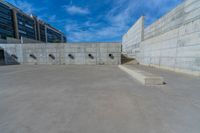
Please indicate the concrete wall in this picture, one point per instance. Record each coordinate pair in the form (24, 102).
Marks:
(10, 40)
(173, 42)
(52, 53)
(132, 38)
(3, 41)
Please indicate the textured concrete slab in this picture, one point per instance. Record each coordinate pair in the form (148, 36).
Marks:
(95, 99)
(144, 77)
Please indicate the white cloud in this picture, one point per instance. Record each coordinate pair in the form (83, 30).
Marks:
(27, 7)
(77, 10)
(90, 31)
(23, 5)
(52, 18)
(118, 20)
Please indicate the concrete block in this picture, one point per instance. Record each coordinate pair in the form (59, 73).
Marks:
(144, 77)
(79, 58)
(90, 49)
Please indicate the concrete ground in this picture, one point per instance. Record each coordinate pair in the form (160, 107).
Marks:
(95, 99)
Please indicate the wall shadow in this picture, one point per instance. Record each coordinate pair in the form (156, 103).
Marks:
(2, 57)
(7, 59)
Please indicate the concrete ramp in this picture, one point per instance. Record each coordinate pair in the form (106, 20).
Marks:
(145, 78)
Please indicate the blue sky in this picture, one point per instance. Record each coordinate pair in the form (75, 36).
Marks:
(95, 20)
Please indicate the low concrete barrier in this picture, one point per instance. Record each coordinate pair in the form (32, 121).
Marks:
(63, 53)
(144, 77)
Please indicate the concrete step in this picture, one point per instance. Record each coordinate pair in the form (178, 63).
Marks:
(144, 77)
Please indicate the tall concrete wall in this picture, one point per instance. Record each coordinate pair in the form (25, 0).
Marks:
(131, 40)
(66, 53)
(184, 13)
(173, 42)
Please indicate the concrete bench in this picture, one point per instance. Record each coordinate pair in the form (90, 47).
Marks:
(144, 77)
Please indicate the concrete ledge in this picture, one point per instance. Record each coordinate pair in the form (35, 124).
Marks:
(144, 77)
(183, 71)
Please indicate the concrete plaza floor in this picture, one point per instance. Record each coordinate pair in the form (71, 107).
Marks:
(95, 99)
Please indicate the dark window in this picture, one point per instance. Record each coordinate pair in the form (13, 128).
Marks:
(6, 22)
(53, 37)
(26, 26)
(64, 39)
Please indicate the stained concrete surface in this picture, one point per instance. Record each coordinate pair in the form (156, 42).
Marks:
(95, 99)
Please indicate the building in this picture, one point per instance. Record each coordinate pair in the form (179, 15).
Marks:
(6, 22)
(14, 23)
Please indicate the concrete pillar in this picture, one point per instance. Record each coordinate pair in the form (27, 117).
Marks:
(15, 22)
(35, 28)
(38, 31)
